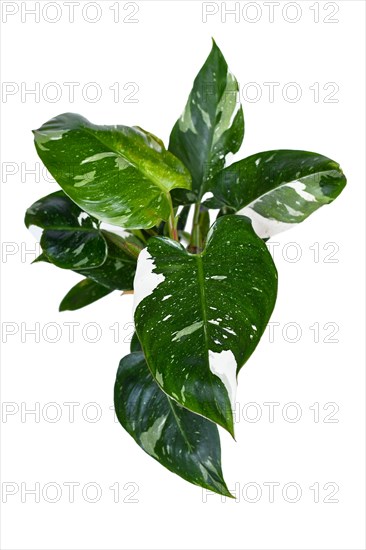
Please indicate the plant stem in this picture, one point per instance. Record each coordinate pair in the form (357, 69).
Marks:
(195, 242)
(173, 233)
(138, 233)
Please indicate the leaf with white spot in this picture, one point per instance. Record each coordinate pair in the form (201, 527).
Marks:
(211, 126)
(70, 238)
(199, 317)
(183, 442)
(118, 174)
(83, 294)
(277, 189)
(59, 218)
(118, 271)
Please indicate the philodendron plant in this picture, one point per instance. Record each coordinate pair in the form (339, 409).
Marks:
(202, 297)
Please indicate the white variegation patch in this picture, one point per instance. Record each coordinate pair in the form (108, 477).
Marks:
(98, 156)
(228, 106)
(81, 217)
(84, 179)
(78, 250)
(300, 189)
(121, 163)
(223, 365)
(150, 438)
(82, 262)
(146, 280)
(185, 122)
(264, 227)
(205, 116)
(46, 136)
(207, 195)
(187, 330)
(159, 378)
(267, 227)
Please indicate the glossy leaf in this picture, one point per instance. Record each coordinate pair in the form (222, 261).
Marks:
(199, 317)
(183, 442)
(118, 174)
(84, 293)
(118, 271)
(135, 343)
(277, 189)
(211, 126)
(70, 238)
(119, 261)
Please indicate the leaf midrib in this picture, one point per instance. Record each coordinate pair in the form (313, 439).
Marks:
(147, 175)
(201, 283)
(71, 228)
(179, 424)
(282, 184)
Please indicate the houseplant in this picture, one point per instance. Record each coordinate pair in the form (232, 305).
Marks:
(203, 294)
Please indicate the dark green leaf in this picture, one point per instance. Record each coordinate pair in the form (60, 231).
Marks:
(70, 238)
(183, 442)
(199, 317)
(118, 174)
(118, 271)
(277, 188)
(82, 294)
(211, 126)
(135, 343)
(41, 258)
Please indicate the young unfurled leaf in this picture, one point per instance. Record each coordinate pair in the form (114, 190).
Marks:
(70, 239)
(84, 293)
(211, 126)
(118, 174)
(199, 317)
(277, 189)
(180, 440)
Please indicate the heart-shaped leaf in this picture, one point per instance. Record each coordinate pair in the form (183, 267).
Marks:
(277, 189)
(70, 239)
(84, 293)
(118, 174)
(211, 126)
(199, 317)
(183, 442)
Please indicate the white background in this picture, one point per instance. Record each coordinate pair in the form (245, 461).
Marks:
(161, 53)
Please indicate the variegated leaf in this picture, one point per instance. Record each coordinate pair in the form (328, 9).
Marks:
(199, 317)
(118, 271)
(211, 126)
(70, 238)
(118, 174)
(56, 215)
(277, 189)
(180, 440)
